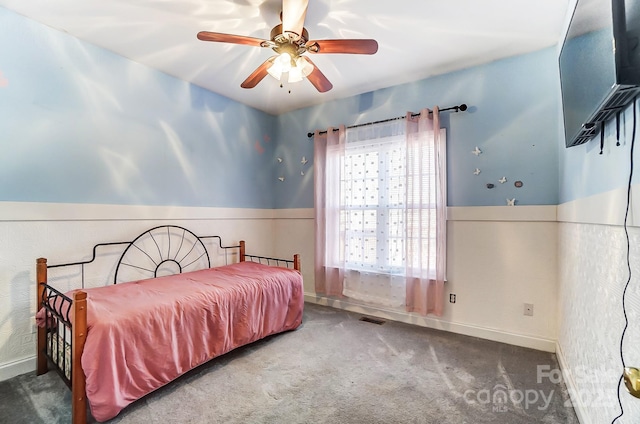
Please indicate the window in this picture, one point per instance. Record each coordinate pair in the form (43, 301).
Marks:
(376, 205)
(381, 211)
(372, 212)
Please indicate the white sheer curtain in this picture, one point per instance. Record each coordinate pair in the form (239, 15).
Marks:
(329, 253)
(426, 213)
(379, 236)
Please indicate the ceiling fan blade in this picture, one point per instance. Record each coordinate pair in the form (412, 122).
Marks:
(317, 78)
(293, 15)
(364, 46)
(229, 38)
(257, 75)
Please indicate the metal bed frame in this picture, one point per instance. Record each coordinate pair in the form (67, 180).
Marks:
(66, 317)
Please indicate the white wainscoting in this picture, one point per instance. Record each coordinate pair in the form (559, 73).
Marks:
(499, 258)
(68, 232)
(593, 272)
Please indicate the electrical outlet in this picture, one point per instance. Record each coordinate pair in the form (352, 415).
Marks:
(452, 298)
(528, 309)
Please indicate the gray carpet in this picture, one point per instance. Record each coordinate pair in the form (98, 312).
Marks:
(334, 369)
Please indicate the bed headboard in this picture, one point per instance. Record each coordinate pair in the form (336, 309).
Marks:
(170, 249)
(166, 249)
(161, 250)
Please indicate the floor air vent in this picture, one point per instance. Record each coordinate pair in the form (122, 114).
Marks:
(373, 320)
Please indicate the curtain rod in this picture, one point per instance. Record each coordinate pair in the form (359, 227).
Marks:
(462, 107)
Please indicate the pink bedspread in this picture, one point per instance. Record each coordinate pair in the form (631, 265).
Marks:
(144, 334)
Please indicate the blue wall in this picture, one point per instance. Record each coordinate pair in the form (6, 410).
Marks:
(79, 124)
(513, 118)
(82, 125)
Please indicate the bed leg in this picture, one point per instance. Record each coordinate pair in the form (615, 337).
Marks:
(242, 251)
(41, 277)
(296, 262)
(78, 382)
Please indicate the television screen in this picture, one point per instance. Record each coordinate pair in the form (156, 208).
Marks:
(587, 64)
(599, 70)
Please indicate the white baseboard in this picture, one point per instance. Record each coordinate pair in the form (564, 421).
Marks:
(493, 334)
(21, 366)
(572, 388)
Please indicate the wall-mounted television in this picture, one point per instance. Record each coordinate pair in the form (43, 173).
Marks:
(599, 65)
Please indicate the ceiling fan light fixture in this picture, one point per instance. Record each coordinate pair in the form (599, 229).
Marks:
(295, 74)
(285, 61)
(290, 40)
(296, 68)
(305, 66)
(275, 70)
(300, 70)
(281, 64)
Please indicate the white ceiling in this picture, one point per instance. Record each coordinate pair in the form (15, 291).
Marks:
(417, 39)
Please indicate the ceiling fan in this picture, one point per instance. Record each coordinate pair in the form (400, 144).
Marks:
(290, 40)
